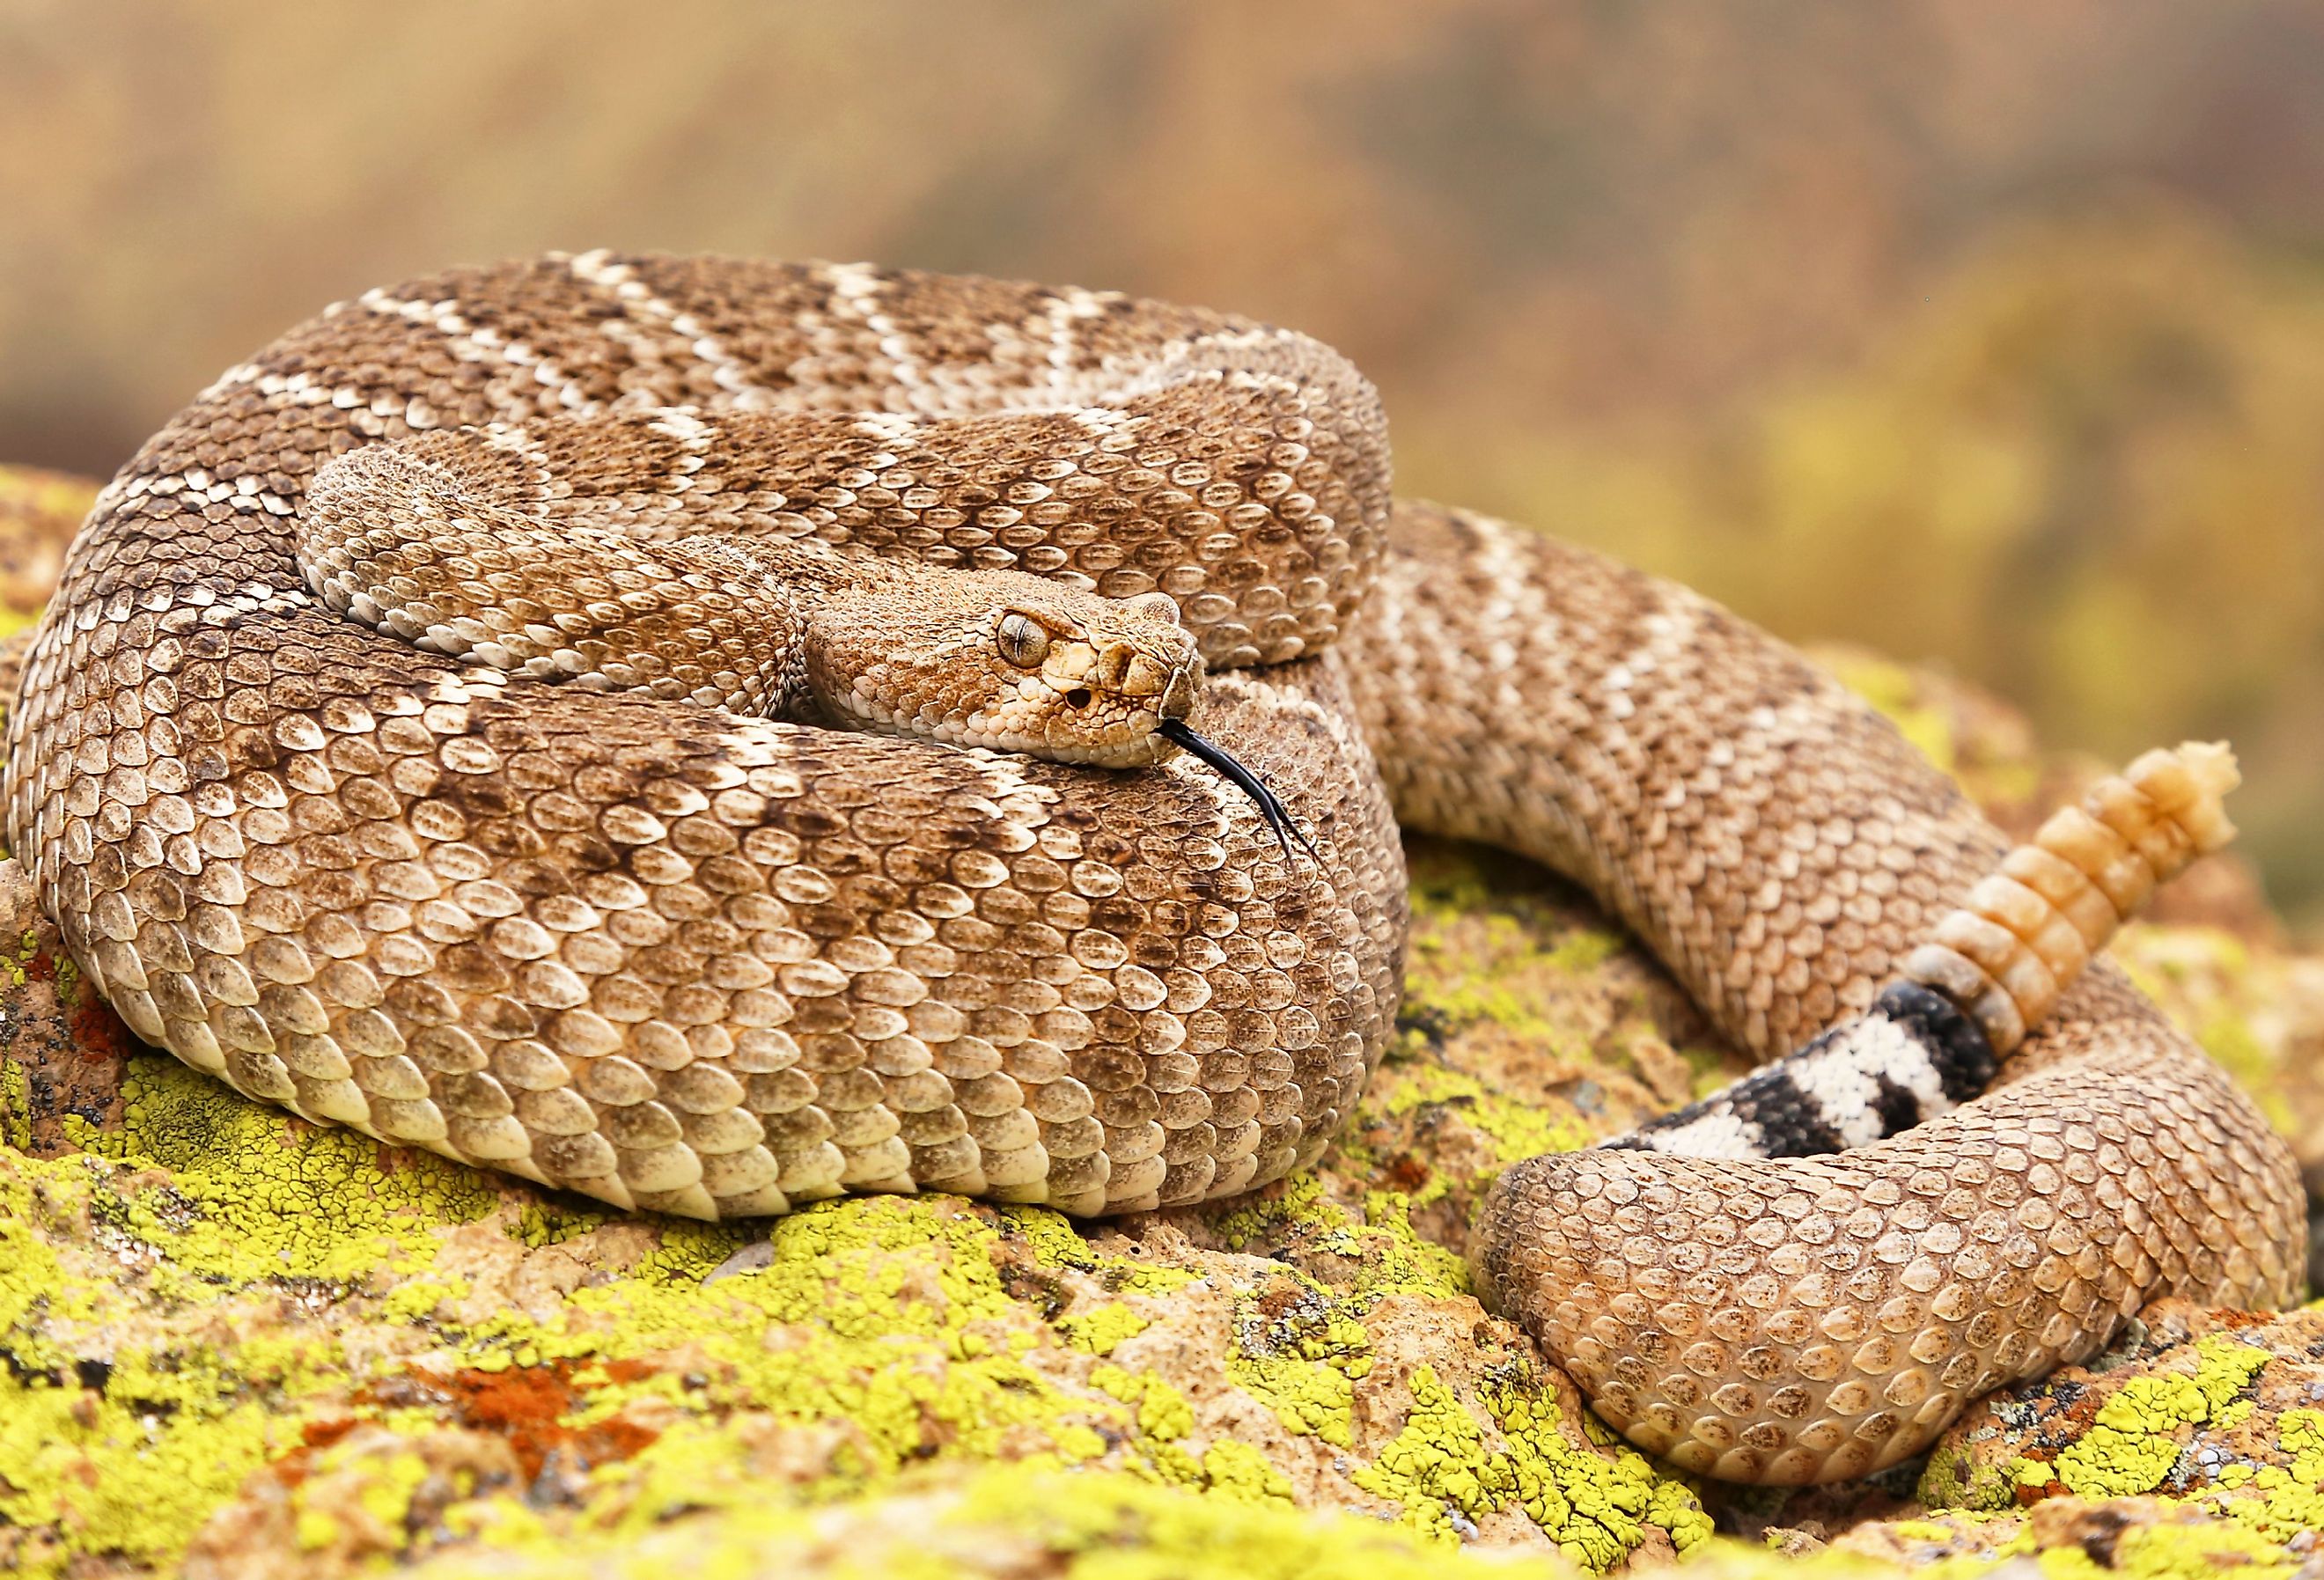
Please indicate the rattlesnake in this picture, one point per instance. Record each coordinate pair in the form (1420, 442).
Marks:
(388, 751)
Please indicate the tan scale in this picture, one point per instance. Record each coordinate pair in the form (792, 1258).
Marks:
(633, 942)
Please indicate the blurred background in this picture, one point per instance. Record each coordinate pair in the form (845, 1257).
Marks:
(1990, 331)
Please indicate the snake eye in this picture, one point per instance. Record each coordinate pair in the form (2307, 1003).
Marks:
(1024, 641)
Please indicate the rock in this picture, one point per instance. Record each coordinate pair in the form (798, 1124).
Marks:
(234, 1345)
(2197, 1443)
(2081, 1538)
(2223, 1405)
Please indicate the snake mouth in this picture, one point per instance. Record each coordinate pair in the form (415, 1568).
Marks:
(1271, 806)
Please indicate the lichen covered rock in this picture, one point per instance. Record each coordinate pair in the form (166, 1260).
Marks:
(232, 1343)
(2222, 1409)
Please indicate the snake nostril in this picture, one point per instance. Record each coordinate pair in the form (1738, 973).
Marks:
(1079, 697)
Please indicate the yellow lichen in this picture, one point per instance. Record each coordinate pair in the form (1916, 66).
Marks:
(1513, 960)
(884, 1319)
(1237, 1469)
(2174, 1552)
(1437, 1463)
(1101, 1331)
(1056, 1243)
(120, 1450)
(16, 1106)
(1395, 1257)
(135, 1474)
(2136, 1438)
(1463, 992)
(1518, 1132)
(1303, 1354)
(2286, 1500)
(1596, 1508)
(1163, 1412)
(272, 1201)
(2230, 1040)
(1957, 1480)
(1304, 1365)
(1010, 1520)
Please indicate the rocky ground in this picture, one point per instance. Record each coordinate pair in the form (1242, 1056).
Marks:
(234, 1345)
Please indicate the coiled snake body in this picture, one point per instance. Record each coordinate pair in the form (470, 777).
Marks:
(421, 790)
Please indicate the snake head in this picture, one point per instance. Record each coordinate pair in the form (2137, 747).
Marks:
(1009, 662)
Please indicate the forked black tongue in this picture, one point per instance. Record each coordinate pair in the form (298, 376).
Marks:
(1270, 805)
